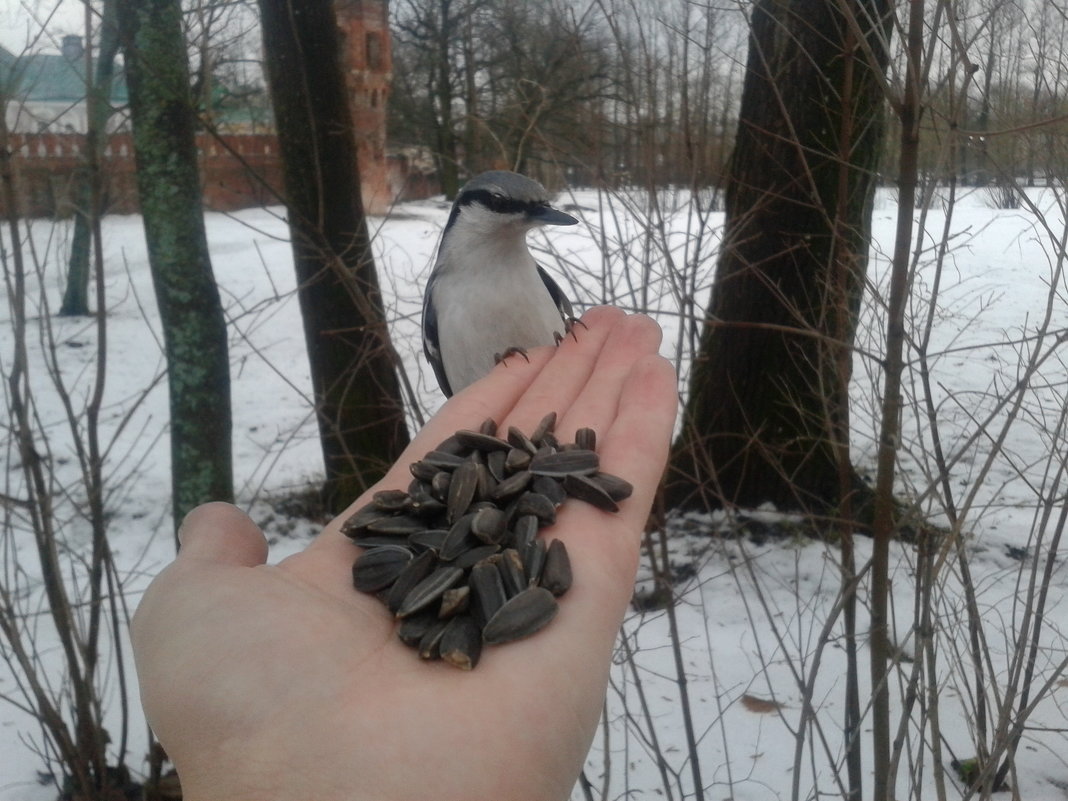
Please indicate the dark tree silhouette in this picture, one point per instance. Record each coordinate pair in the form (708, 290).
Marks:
(767, 415)
(357, 392)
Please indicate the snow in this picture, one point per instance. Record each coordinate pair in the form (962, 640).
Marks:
(751, 609)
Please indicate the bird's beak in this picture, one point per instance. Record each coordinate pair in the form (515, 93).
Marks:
(547, 215)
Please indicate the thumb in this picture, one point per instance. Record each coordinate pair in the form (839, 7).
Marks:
(223, 534)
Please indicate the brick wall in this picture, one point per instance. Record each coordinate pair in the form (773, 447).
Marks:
(236, 172)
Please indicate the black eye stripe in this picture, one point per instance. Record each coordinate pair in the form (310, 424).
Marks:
(500, 204)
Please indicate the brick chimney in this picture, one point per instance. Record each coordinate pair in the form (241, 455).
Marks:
(72, 48)
(365, 45)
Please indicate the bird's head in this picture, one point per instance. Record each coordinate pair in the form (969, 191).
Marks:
(504, 203)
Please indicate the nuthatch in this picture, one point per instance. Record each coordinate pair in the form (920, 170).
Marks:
(487, 298)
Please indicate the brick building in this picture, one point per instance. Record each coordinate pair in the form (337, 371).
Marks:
(237, 171)
(365, 43)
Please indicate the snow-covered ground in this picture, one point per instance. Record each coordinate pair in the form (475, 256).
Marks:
(751, 609)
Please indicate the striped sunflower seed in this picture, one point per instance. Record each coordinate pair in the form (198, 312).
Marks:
(462, 489)
(415, 571)
(556, 572)
(377, 569)
(461, 643)
(521, 616)
(429, 590)
(546, 426)
(588, 490)
(564, 463)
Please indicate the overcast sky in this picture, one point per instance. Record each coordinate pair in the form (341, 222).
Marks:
(21, 22)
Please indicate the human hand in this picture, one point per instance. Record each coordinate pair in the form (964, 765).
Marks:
(283, 682)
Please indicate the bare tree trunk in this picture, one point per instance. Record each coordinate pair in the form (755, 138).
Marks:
(168, 181)
(357, 393)
(88, 188)
(762, 420)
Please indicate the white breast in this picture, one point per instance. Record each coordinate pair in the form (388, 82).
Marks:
(482, 312)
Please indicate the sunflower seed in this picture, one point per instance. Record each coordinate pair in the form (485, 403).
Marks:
(586, 438)
(511, 570)
(486, 482)
(556, 573)
(563, 463)
(534, 561)
(461, 643)
(489, 525)
(429, 589)
(430, 540)
(370, 541)
(547, 424)
(488, 427)
(390, 500)
(412, 629)
(516, 460)
(550, 488)
(533, 503)
(495, 462)
(512, 486)
(524, 530)
(585, 489)
(487, 591)
(357, 523)
(455, 601)
(424, 471)
(458, 539)
(430, 643)
(426, 508)
(415, 571)
(377, 569)
(482, 442)
(462, 489)
(452, 445)
(473, 556)
(521, 441)
(521, 616)
(618, 489)
(439, 485)
(444, 461)
(549, 441)
(399, 525)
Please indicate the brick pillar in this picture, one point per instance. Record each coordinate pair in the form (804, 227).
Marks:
(365, 44)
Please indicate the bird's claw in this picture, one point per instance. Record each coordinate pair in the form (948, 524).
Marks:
(569, 328)
(500, 357)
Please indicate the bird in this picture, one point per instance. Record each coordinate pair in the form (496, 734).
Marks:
(486, 297)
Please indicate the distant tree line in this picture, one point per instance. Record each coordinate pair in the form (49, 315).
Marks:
(621, 91)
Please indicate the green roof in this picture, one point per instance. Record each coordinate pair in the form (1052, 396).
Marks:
(38, 77)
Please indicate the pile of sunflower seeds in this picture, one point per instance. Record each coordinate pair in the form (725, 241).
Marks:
(456, 558)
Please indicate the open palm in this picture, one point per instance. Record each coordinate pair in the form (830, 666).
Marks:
(282, 681)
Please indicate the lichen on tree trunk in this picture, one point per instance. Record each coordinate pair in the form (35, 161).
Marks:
(191, 314)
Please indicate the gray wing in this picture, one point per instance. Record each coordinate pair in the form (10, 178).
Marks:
(558, 296)
(431, 347)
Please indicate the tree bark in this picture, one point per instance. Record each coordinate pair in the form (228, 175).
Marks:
(357, 392)
(191, 314)
(88, 180)
(763, 421)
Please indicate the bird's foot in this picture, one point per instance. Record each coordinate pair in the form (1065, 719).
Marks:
(500, 357)
(569, 328)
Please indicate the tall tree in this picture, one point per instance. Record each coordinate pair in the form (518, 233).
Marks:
(88, 189)
(430, 33)
(767, 414)
(191, 314)
(357, 393)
